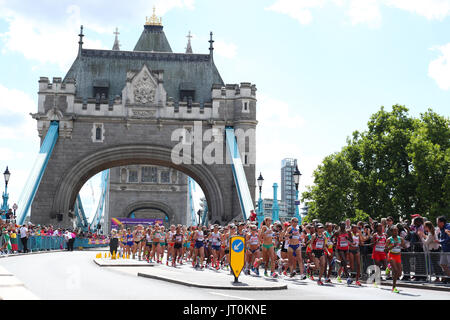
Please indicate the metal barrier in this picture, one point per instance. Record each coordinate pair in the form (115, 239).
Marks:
(422, 265)
(46, 243)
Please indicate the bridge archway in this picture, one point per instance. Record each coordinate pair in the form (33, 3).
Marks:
(80, 171)
(163, 208)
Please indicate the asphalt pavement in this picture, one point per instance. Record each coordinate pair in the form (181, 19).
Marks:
(75, 275)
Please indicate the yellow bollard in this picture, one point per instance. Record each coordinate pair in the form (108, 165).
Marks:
(109, 254)
(105, 255)
(128, 256)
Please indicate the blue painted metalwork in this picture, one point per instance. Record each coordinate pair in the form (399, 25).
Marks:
(191, 187)
(5, 207)
(47, 243)
(240, 179)
(260, 215)
(37, 172)
(99, 213)
(82, 221)
(275, 207)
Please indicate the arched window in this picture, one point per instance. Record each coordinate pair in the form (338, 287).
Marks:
(98, 133)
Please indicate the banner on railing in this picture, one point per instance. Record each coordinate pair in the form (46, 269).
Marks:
(98, 241)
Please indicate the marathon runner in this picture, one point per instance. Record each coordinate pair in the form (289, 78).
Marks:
(394, 247)
(354, 252)
(295, 249)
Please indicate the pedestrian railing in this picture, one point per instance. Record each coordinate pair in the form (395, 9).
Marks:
(422, 265)
(46, 243)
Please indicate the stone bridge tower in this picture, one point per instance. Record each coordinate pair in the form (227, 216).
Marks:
(119, 108)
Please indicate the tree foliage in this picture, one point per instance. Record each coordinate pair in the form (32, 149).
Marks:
(398, 167)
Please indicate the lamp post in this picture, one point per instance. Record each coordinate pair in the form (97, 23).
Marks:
(260, 202)
(297, 176)
(5, 196)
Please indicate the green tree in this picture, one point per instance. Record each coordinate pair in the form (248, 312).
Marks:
(398, 167)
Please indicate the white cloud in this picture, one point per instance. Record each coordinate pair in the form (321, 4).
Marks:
(299, 10)
(17, 105)
(362, 11)
(430, 9)
(225, 49)
(47, 32)
(439, 69)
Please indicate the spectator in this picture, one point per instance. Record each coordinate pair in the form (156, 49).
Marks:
(404, 233)
(24, 237)
(431, 245)
(417, 248)
(444, 240)
(67, 237)
(389, 226)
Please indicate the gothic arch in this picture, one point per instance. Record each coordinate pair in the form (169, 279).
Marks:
(80, 171)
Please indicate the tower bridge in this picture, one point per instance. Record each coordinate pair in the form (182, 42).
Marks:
(119, 108)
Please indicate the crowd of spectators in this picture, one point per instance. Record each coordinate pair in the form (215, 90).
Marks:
(420, 236)
(11, 234)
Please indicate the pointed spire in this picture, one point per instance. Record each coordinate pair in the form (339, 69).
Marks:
(80, 43)
(211, 41)
(189, 47)
(116, 45)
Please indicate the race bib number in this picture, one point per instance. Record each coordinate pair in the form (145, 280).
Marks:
(319, 244)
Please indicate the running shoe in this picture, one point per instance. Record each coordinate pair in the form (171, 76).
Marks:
(358, 283)
(293, 273)
(303, 277)
(395, 290)
(349, 281)
(320, 283)
(285, 273)
(274, 275)
(328, 280)
(257, 271)
(193, 264)
(167, 262)
(247, 272)
(265, 273)
(202, 266)
(339, 279)
(217, 267)
(388, 271)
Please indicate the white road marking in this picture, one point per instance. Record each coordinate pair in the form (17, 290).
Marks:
(229, 296)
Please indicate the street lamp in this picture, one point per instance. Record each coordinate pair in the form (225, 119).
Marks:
(297, 174)
(6, 174)
(260, 181)
(5, 206)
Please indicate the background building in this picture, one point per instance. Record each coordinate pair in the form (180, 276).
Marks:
(287, 184)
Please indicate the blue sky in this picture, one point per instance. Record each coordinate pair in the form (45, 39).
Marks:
(321, 67)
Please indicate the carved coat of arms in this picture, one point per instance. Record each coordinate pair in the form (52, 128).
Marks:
(144, 90)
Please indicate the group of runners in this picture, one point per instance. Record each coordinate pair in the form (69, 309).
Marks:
(274, 246)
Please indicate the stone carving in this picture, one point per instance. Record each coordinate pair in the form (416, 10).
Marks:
(143, 113)
(144, 90)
